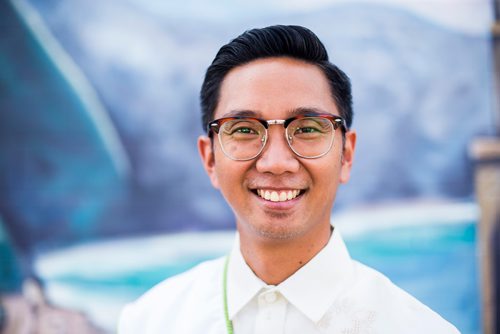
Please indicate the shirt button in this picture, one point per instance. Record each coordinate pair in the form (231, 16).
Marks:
(270, 297)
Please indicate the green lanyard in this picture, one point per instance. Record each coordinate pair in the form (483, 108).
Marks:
(229, 324)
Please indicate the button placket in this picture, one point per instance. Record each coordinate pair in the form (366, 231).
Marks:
(271, 312)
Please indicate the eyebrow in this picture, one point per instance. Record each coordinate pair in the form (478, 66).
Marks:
(308, 110)
(242, 113)
(292, 113)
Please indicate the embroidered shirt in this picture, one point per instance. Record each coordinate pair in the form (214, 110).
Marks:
(330, 294)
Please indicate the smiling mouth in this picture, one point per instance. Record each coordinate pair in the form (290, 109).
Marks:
(278, 195)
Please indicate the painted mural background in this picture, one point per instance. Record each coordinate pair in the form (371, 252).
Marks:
(99, 111)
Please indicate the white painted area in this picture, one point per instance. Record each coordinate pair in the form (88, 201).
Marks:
(372, 218)
(472, 16)
(109, 258)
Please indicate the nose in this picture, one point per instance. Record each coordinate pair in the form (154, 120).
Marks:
(277, 157)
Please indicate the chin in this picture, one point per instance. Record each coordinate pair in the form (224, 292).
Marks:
(278, 232)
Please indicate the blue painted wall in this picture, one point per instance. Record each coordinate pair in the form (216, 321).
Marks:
(422, 91)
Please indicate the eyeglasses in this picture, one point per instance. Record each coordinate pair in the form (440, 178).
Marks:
(308, 136)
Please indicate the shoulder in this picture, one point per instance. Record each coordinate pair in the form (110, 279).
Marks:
(396, 309)
(200, 277)
(167, 301)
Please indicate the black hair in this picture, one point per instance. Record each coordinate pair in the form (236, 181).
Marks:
(274, 41)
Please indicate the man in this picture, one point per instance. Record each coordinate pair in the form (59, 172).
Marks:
(278, 144)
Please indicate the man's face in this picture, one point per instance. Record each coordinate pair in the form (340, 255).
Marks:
(276, 88)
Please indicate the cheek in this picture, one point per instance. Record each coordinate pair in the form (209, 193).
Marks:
(326, 177)
(230, 176)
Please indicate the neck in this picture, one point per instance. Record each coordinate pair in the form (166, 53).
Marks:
(273, 261)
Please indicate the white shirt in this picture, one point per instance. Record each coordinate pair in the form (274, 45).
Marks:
(330, 294)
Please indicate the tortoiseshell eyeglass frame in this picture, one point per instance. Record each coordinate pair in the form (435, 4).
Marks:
(337, 121)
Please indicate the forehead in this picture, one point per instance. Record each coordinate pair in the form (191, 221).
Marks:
(272, 88)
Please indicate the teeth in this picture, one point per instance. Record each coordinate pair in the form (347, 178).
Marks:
(274, 196)
(278, 196)
(283, 196)
(267, 195)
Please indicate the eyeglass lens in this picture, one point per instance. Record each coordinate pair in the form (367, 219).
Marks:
(308, 137)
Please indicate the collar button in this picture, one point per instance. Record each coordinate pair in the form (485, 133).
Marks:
(270, 297)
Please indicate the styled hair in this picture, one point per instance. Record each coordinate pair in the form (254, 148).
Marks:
(274, 41)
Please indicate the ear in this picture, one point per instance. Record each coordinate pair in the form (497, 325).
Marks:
(205, 148)
(347, 156)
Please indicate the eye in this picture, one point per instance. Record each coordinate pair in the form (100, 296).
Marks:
(242, 129)
(310, 127)
(304, 130)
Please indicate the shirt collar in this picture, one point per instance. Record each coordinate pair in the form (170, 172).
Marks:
(242, 283)
(312, 289)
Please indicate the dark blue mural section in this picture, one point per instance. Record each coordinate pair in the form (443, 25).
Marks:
(57, 177)
(99, 114)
